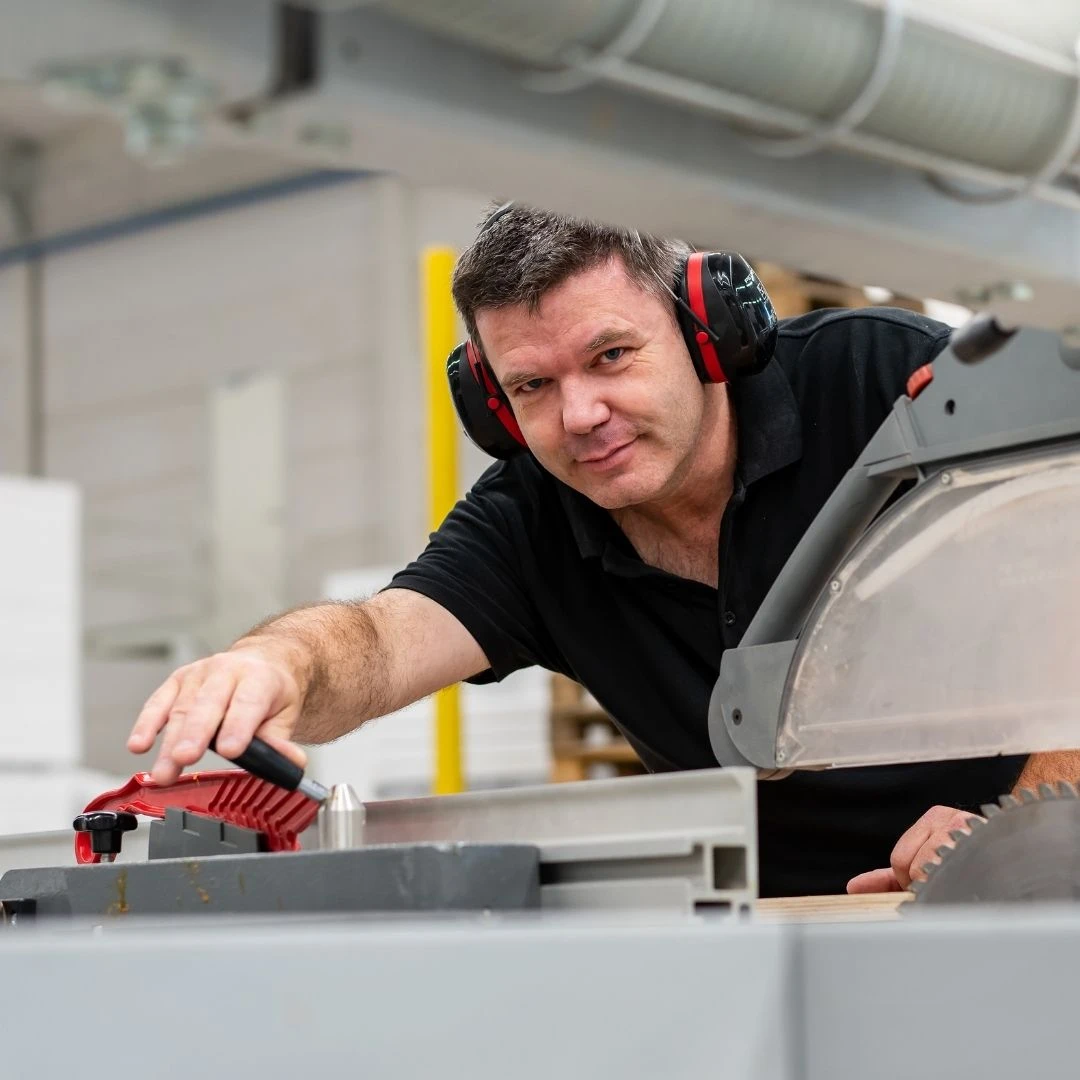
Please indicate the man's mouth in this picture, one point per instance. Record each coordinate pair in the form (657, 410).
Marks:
(608, 458)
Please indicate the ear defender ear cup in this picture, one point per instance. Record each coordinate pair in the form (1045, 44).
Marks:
(481, 405)
(725, 315)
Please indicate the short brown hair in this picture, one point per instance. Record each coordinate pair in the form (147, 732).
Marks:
(521, 253)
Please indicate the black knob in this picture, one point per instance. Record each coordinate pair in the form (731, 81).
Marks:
(106, 829)
(979, 338)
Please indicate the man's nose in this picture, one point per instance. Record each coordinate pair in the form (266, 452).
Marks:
(582, 409)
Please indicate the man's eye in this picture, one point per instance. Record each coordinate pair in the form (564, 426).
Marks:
(613, 354)
(531, 385)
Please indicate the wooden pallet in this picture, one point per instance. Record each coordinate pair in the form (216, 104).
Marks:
(583, 736)
(797, 294)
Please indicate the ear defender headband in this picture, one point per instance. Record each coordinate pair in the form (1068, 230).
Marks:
(727, 321)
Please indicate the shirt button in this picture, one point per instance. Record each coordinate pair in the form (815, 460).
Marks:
(729, 618)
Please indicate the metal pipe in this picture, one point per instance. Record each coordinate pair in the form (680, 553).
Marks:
(888, 52)
(1057, 165)
(440, 337)
(657, 30)
(740, 107)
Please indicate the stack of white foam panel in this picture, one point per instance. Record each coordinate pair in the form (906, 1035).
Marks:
(504, 728)
(41, 784)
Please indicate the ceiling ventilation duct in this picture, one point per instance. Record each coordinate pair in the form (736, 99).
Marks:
(984, 98)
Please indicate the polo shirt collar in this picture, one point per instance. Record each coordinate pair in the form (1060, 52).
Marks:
(770, 427)
(769, 439)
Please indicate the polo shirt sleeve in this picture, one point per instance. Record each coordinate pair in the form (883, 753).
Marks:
(474, 567)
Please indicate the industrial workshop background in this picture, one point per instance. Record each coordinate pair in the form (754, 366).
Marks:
(213, 353)
(227, 230)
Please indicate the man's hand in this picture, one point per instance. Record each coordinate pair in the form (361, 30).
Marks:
(917, 847)
(252, 689)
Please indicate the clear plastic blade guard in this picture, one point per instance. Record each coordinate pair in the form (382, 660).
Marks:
(952, 629)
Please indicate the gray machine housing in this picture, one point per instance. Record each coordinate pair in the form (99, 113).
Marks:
(994, 393)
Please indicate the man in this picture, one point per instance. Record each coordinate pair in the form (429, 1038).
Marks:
(628, 548)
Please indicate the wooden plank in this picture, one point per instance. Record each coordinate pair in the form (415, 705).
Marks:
(866, 907)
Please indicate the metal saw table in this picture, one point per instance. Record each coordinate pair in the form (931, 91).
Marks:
(638, 955)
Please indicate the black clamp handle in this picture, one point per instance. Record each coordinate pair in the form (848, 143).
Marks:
(106, 829)
(262, 760)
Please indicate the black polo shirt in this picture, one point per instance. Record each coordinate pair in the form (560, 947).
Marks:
(538, 574)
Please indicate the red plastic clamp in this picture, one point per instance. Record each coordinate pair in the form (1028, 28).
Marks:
(230, 795)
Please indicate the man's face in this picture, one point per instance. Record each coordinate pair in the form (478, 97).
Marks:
(601, 384)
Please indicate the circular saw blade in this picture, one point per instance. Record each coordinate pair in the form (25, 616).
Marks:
(1026, 849)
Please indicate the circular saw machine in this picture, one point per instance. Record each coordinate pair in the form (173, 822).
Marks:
(946, 626)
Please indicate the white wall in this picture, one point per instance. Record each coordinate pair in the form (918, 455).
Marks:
(139, 331)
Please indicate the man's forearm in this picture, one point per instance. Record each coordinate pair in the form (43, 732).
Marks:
(341, 663)
(1049, 768)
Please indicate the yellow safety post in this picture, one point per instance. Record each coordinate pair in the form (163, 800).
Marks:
(440, 325)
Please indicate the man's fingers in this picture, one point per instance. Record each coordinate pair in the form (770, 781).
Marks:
(231, 694)
(255, 700)
(907, 854)
(875, 881)
(926, 856)
(906, 850)
(166, 768)
(939, 838)
(914, 850)
(208, 708)
(154, 715)
(928, 853)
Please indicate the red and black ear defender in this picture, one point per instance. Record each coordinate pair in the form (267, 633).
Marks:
(726, 316)
(481, 405)
(723, 310)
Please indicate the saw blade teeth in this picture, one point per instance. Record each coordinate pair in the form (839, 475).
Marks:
(916, 887)
(1042, 866)
(991, 810)
(977, 822)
